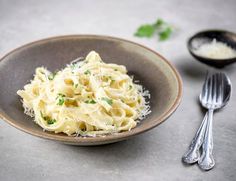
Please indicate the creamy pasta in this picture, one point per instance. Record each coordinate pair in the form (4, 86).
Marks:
(87, 98)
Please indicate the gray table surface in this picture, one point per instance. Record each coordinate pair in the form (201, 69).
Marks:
(155, 155)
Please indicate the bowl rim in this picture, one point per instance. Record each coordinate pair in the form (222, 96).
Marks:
(190, 39)
(99, 139)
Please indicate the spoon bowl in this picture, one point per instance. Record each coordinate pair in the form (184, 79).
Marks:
(216, 91)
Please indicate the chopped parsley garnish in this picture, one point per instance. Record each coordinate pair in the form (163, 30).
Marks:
(112, 81)
(109, 101)
(90, 101)
(160, 27)
(48, 119)
(87, 72)
(51, 121)
(115, 69)
(130, 87)
(76, 85)
(73, 66)
(61, 99)
(52, 75)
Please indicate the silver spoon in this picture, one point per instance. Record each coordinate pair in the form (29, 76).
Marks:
(193, 153)
(217, 93)
(215, 98)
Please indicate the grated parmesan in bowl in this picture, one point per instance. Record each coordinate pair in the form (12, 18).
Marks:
(215, 50)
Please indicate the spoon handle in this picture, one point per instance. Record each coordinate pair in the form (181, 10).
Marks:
(206, 161)
(193, 154)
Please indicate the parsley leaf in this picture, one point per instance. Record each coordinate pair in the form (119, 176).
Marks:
(61, 99)
(109, 101)
(51, 121)
(76, 85)
(52, 75)
(165, 34)
(162, 29)
(145, 31)
(48, 119)
(112, 81)
(87, 72)
(159, 23)
(90, 101)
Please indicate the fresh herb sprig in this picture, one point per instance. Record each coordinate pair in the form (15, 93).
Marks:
(160, 27)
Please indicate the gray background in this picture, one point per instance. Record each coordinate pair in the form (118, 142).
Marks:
(155, 155)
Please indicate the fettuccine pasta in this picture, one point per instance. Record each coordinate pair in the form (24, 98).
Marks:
(87, 98)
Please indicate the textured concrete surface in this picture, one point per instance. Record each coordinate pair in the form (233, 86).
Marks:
(155, 155)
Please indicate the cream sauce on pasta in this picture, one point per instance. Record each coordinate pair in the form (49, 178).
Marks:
(87, 98)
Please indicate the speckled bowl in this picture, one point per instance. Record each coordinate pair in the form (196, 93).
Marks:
(154, 72)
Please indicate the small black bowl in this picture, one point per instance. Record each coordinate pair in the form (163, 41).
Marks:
(200, 38)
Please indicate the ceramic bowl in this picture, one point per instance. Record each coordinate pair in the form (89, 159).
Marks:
(200, 38)
(153, 71)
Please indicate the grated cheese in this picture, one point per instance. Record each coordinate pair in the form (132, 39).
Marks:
(216, 50)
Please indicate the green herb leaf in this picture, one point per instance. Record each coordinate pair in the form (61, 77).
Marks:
(61, 99)
(90, 101)
(48, 119)
(160, 27)
(52, 75)
(72, 67)
(112, 81)
(76, 85)
(145, 31)
(116, 69)
(164, 35)
(51, 121)
(159, 23)
(109, 101)
(130, 87)
(62, 95)
(87, 72)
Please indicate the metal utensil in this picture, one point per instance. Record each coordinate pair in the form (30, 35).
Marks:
(193, 153)
(215, 94)
(215, 98)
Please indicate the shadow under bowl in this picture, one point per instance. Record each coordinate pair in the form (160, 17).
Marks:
(208, 36)
(154, 72)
